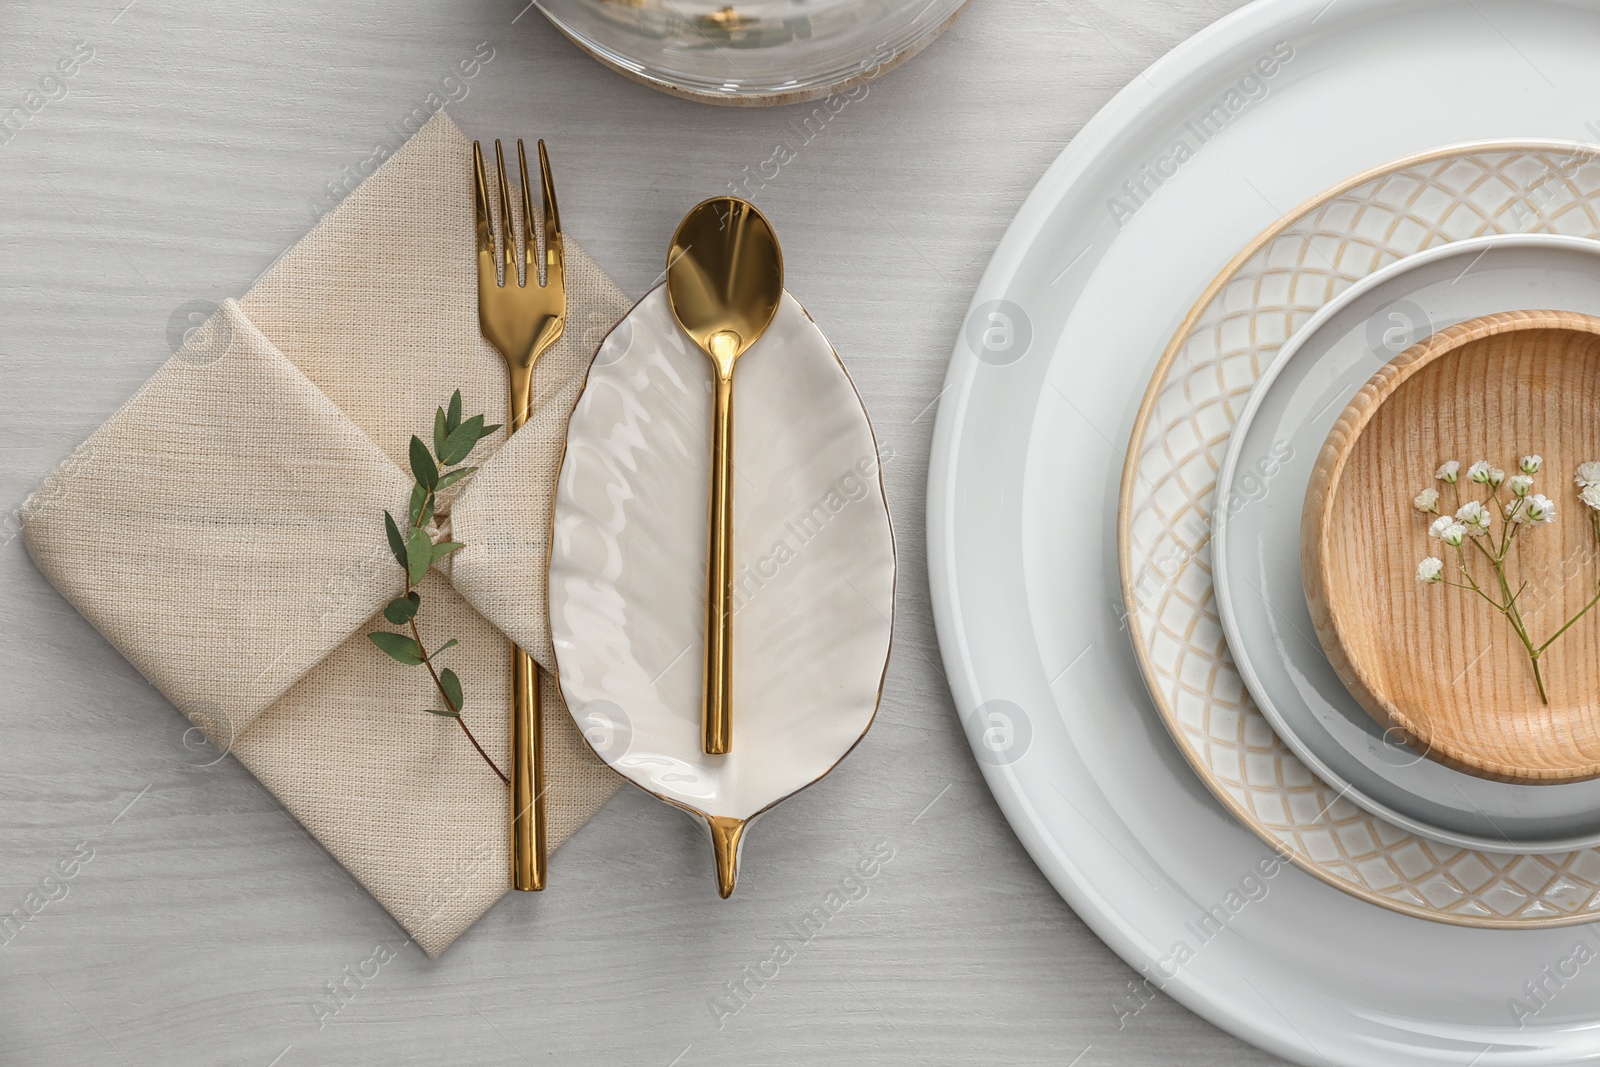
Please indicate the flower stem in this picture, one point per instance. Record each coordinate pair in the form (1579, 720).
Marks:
(1595, 521)
(1538, 677)
(1508, 606)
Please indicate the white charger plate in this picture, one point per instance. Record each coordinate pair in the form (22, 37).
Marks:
(1256, 544)
(1098, 270)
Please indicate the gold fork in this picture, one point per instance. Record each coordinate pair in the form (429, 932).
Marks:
(522, 319)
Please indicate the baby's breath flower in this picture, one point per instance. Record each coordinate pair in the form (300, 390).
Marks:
(1522, 508)
(1475, 517)
(1538, 508)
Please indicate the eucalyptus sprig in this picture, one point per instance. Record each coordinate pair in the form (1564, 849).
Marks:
(416, 551)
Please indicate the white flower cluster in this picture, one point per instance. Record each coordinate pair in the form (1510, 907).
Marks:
(1448, 530)
(1470, 532)
(1475, 517)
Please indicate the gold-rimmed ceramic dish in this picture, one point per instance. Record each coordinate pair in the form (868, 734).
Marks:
(814, 567)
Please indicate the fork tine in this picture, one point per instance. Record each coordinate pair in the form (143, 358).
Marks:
(508, 250)
(554, 253)
(480, 200)
(530, 243)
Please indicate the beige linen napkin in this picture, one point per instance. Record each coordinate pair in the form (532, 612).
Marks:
(224, 531)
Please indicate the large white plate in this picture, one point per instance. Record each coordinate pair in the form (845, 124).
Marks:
(1098, 270)
(1256, 538)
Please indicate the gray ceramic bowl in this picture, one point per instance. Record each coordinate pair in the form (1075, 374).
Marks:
(1256, 551)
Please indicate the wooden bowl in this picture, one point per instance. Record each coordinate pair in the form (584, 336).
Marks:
(1438, 664)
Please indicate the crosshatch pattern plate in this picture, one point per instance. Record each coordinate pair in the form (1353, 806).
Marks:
(1180, 437)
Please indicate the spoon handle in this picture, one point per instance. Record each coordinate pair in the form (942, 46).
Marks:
(717, 712)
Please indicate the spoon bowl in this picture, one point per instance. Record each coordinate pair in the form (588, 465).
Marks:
(724, 277)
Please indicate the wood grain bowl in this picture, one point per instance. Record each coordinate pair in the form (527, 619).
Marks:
(1438, 664)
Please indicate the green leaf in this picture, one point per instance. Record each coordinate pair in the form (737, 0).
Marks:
(452, 687)
(453, 477)
(397, 647)
(444, 548)
(402, 610)
(419, 549)
(443, 714)
(419, 501)
(462, 440)
(422, 464)
(453, 419)
(397, 544)
(452, 643)
(440, 430)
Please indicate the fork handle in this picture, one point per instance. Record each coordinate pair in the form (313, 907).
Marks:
(717, 714)
(528, 851)
(527, 776)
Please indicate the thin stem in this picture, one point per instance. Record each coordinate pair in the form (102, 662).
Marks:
(1512, 529)
(1595, 522)
(1568, 624)
(1509, 607)
(1523, 588)
(1493, 603)
(427, 661)
(1472, 582)
(1474, 589)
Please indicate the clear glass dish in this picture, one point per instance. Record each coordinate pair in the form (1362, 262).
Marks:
(760, 53)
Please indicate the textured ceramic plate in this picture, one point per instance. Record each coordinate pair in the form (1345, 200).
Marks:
(1256, 553)
(1022, 501)
(1169, 495)
(814, 556)
(758, 53)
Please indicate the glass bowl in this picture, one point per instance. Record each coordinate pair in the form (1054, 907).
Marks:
(761, 53)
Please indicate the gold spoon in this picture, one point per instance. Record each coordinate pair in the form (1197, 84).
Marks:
(724, 281)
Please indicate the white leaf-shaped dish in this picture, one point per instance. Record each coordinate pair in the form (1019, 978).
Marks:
(813, 554)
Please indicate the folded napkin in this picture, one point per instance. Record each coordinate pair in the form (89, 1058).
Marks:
(224, 531)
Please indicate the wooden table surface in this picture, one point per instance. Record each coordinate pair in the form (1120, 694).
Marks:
(200, 141)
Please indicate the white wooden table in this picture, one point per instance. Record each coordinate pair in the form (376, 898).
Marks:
(199, 142)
